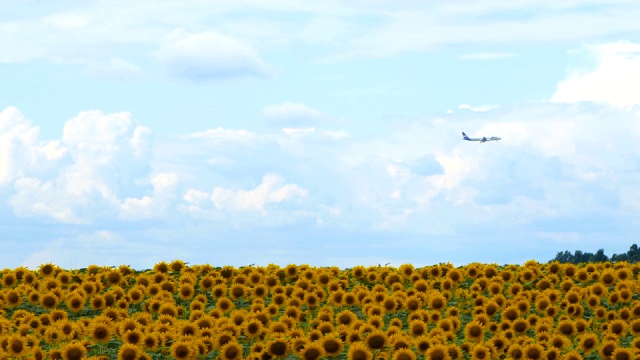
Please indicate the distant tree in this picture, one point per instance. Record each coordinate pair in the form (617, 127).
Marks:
(579, 256)
(563, 257)
(600, 256)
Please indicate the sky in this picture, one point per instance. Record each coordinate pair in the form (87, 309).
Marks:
(323, 133)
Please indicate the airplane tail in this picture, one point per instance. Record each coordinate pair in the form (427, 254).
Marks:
(464, 136)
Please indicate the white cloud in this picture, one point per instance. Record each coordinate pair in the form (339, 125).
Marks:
(559, 167)
(17, 138)
(292, 114)
(98, 159)
(148, 207)
(614, 80)
(481, 108)
(271, 190)
(209, 55)
(34, 198)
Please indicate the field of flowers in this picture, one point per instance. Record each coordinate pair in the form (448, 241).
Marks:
(175, 311)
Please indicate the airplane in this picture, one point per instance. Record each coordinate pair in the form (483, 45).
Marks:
(482, 139)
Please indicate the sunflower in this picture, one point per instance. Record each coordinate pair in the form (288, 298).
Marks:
(345, 317)
(332, 345)
(75, 302)
(100, 332)
(359, 351)
(418, 328)
(607, 348)
(607, 277)
(311, 351)
(48, 301)
(390, 303)
(225, 304)
(588, 342)
(129, 352)
(186, 291)
(515, 351)
(218, 291)
(52, 334)
(634, 327)
(278, 347)
(133, 337)
(404, 354)
(499, 343)
(237, 291)
(168, 309)
(480, 352)
(376, 340)
(9, 279)
(231, 351)
(474, 330)
(566, 327)
(436, 352)
(151, 341)
(183, 350)
(311, 300)
(510, 313)
(97, 302)
(455, 352)
(252, 328)
(67, 327)
(617, 327)
(533, 351)
(520, 326)
(47, 269)
(422, 343)
(437, 302)
(16, 345)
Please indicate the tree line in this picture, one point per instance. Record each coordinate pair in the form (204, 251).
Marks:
(631, 256)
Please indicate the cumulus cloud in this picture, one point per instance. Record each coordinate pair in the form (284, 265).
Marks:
(615, 79)
(558, 163)
(148, 207)
(209, 55)
(20, 150)
(272, 190)
(17, 136)
(98, 159)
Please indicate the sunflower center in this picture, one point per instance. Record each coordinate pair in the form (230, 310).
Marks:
(16, 347)
(279, 348)
(359, 355)
(331, 346)
(475, 331)
(231, 353)
(533, 353)
(129, 354)
(437, 355)
(376, 342)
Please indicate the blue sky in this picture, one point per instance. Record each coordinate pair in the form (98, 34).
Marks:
(248, 132)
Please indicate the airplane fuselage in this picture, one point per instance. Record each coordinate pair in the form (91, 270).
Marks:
(482, 139)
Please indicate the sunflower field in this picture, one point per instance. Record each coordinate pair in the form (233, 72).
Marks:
(176, 311)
